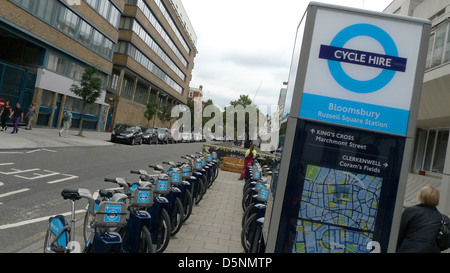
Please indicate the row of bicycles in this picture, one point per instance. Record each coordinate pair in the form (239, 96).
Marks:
(137, 216)
(256, 189)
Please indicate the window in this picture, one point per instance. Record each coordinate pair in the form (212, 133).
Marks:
(114, 81)
(57, 64)
(67, 21)
(141, 94)
(127, 88)
(85, 33)
(76, 71)
(45, 10)
(47, 98)
(439, 46)
(430, 150)
(97, 41)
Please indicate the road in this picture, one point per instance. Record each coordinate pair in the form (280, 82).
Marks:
(31, 182)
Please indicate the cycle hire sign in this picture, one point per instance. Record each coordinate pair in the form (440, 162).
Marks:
(361, 72)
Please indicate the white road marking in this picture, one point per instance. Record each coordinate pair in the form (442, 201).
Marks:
(13, 192)
(32, 221)
(69, 177)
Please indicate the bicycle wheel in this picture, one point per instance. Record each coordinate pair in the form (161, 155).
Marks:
(145, 243)
(200, 191)
(177, 217)
(187, 205)
(87, 229)
(247, 213)
(53, 244)
(163, 236)
(248, 232)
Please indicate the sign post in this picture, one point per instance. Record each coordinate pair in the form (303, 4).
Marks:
(355, 84)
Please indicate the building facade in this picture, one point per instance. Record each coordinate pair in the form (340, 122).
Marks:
(46, 44)
(153, 60)
(431, 153)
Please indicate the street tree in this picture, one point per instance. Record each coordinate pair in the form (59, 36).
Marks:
(151, 110)
(88, 89)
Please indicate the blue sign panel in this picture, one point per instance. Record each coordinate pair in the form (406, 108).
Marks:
(355, 114)
(345, 109)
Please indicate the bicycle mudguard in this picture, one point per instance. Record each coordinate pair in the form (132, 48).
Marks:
(57, 223)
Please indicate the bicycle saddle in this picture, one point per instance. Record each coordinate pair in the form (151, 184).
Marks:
(107, 193)
(71, 194)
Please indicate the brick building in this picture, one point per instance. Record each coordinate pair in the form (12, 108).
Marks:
(142, 49)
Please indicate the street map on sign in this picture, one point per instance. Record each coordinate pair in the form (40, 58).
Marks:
(337, 211)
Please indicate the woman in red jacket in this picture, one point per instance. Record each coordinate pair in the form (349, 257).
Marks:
(250, 156)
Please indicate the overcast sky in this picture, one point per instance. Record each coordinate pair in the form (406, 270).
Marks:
(245, 46)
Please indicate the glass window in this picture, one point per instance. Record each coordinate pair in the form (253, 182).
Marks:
(430, 52)
(67, 21)
(47, 98)
(103, 8)
(447, 48)
(439, 46)
(85, 33)
(429, 150)
(57, 64)
(114, 81)
(114, 16)
(76, 71)
(440, 151)
(108, 48)
(45, 10)
(97, 41)
(141, 94)
(421, 138)
(127, 88)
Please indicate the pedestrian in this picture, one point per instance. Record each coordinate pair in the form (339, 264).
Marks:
(421, 223)
(67, 122)
(4, 114)
(250, 156)
(30, 115)
(16, 115)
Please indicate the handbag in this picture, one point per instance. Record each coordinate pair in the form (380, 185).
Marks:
(443, 236)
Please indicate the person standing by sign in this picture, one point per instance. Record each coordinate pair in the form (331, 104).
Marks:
(5, 113)
(250, 156)
(17, 113)
(420, 224)
(67, 122)
(30, 115)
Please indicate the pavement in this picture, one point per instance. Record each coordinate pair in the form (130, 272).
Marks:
(215, 223)
(39, 138)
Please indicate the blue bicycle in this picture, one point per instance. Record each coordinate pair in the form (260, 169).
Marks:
(136, 234)
(60, 235)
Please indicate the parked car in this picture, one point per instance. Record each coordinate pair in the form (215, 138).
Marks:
(163, 135)
(186, 137)
(126, 133)
(150, 136)
(174, 136)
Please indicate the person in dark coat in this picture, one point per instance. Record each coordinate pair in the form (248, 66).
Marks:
(420, 224)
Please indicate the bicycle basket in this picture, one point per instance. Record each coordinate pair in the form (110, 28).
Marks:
(162, 184)
(198, 165)
(263, 193)
(111, 214)
(186, 172)
(142, 197)
(175, 177)
(214, 155)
